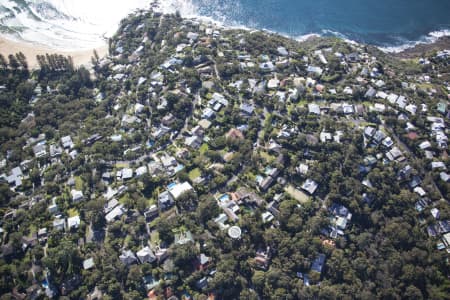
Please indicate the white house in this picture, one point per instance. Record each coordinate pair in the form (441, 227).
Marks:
(77, 196)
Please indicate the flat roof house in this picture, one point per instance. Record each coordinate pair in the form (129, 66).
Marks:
(176, 191)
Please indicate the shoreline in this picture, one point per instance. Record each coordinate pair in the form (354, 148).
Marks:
(30, 50)
(83, 57)
(442, 43)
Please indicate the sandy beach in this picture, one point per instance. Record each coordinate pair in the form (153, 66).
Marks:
(82, 57)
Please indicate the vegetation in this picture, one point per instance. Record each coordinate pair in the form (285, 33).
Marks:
(178, 119)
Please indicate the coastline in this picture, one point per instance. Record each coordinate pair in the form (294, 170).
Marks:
(435, 41)
(80, 57)
(442, 43)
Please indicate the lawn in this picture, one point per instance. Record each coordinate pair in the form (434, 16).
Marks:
(154, 238)
(296, 194)
(122, 165)
(267, 157)
(78, 183)
(194, 173)
(72, 212)
(203, 148)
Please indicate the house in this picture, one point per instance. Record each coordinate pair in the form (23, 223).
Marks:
(302, 169)
(262, 259)
(379, 136)
(168, 119)
(141, 171)
(42, 234)
(192, 36)
(435, 213)
(310, 186)
(73, 222)
(127, 257)
(151, 213)
(53, 208)
(314, 109)
(202, 262)
(425, 145)
(348, 109)
(348, 90)
(15, 177)
(145, 255)
(208, 113)
(369, 131)
(316, 70)
(109, 206)
(446, 240)
(127, 173)
(234, 134)
(267, 66)
(179, 189)
(29, 241)
(318, 263)
(341, 216)
(267, 217)
(420, 191)
(273, 207)
(387, 142)
(401, 102)
(205, 124)
(183, 238)
(353, 57)
(115, 213)
(193, 141)
(371, 92)
(165, 201)
(55, 150)
(247, 108)
(160, 132)
(77, 196)
(394, 154)
(438, 165)
(59, 224)
(444, 176)
(405, 172)
(40, 150)
(442, 107)
(392, 98)
(202, 283)
(88, 263)
(273, 83)
(161, 254)
(325, 137)
(282, 51)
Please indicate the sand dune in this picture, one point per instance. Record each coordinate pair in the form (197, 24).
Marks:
(82, 57)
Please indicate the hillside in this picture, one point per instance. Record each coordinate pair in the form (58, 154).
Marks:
(200, 162)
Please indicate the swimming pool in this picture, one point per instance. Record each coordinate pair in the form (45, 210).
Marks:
(224, 198)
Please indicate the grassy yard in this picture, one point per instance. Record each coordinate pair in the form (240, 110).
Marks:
(154, 238)
(194, 173)
(72, 212)
(296, 194)
(267, 157)
(78, 183)
(203, 148)
(122, 165)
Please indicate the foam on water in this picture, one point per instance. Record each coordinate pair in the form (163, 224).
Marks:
(86, 24)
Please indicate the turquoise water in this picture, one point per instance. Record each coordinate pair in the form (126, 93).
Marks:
(382, 22)
(224, 198)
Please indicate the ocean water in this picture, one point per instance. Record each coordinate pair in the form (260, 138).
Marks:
(84, 24)
(392, 24)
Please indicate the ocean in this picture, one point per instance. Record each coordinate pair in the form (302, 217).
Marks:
(84, 24)
(389, 24)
